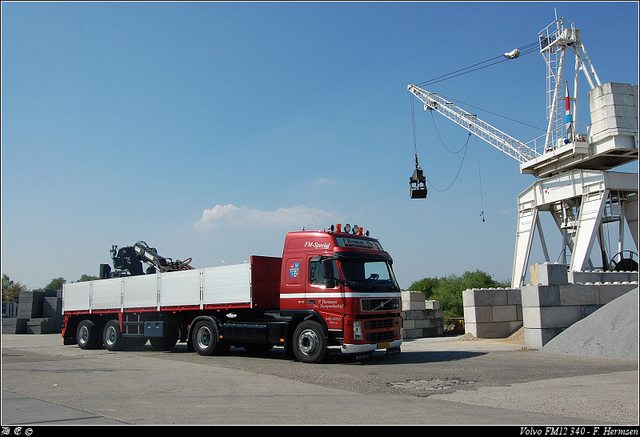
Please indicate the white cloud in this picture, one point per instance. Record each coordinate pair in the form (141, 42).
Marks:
(231, 215)
(324, 181)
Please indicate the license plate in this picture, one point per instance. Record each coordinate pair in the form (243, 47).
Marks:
(383, 345)
(393, 351)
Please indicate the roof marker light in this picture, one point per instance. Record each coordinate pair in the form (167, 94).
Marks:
(338, 228)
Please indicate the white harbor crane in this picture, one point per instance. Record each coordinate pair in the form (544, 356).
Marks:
(570, 161)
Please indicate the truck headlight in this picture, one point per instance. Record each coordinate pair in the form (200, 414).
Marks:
(357, 330)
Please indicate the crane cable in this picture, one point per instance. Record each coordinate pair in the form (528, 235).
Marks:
(415, 147)
(524, 50)
(465, 148)
(480, 178)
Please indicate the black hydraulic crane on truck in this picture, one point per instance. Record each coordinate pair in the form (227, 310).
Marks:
(127, 261)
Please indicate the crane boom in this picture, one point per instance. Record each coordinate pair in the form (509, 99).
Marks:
(501, 141)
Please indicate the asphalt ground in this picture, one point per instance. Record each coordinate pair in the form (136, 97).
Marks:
(434, 381)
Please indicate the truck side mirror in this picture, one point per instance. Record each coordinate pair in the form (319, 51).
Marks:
(328, 273)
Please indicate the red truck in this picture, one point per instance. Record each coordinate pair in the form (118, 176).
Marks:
(332, 289)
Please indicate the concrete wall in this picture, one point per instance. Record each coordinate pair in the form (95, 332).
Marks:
(420, 318)
(553, 304)
(492, 312)
(556, 299)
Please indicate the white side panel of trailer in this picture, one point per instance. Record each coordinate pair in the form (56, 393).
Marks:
(106, 294)
(180, 288)
(140, 291)
(75, 297)
(227, 284)
(213, 285)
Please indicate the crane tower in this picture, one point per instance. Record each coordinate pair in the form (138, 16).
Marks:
(571, 160)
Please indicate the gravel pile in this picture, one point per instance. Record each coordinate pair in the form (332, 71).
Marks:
(609, 332)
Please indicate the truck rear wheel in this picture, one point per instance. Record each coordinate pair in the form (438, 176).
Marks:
(205, 339)
(310, 342)
(112, 337)
(87, 335)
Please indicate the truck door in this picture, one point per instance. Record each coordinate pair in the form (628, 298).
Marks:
(325, 297)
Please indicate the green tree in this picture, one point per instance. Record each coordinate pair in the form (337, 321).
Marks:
(426, 285)
(448, 290)
(55, 284)
(87, 278)
(11, 290)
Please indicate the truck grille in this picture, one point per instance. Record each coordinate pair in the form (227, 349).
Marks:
(381, 336)
(379, 304)
(380, 324)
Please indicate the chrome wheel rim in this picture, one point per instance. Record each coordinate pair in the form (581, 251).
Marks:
(308, 342)
(110, 336)
(203, 337)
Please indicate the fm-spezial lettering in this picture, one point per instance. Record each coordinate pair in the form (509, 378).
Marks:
(316, 245)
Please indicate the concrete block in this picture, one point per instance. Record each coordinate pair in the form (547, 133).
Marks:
(506, 313)
(498, 296)
(14, 326)
(609, 292)
(549, 274)
(493, 330)
(432, 323)
(514, 296)
(535, 338)
(414, 296)
(583, 277)
(412, 333)
(433, 314)
(432, 305)
(477, 314)
(412, 315)
(579, 294)
(540, 295)
(514, 326)
(471, 328)
(408, 324)
(476, 297)
(550, 317)
(435, 331)
(408, 305)
(586, 310)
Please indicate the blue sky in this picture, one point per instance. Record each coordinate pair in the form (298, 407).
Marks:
(210, 130)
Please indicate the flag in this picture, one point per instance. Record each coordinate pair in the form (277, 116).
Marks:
(567, 116)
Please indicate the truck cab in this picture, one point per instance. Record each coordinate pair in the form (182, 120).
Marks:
(343, 279)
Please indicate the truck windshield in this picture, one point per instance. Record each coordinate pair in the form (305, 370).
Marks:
(369, 275)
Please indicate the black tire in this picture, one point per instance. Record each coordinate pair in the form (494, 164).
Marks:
(167, 341)
(310, 342)
(87, 335)
(135, 342)
(205, 340)
(112, 337)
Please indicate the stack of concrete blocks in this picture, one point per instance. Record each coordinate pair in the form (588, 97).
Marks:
(492, 312)
(420, 318)
(39, 312)
(552, 304)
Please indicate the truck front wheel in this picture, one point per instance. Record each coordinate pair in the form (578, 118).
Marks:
(310, 342)
(87, 335)
(205, 339)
